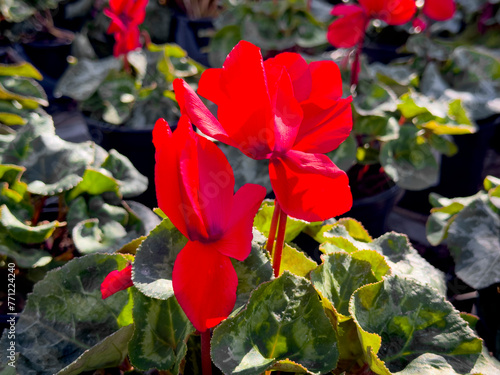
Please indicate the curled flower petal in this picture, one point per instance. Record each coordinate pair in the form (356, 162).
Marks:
(243, 100)
(298, 179)
(237, 240)
(116, 281)
(439, 10)
(204, 283)
(349, 30)
(393, 12)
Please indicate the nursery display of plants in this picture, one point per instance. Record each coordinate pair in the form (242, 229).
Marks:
(227, 210)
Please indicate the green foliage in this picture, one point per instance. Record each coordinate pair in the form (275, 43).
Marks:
(66, 320)
(475, 251)
(290, 327)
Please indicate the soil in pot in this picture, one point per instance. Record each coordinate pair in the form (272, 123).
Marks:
(374, 195)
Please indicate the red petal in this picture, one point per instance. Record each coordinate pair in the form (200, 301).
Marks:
(349, 30)
(215, 188)
(287, 111)
(326, 81)
(176, 177)
(439, 10)
(198, 113)
(309, 186)
(324, 129)
(394, 12)
(237, 241)
(242, 97)
(204, 283)
(117, 6)
(137, 11)
(116, 281)
(299, 73)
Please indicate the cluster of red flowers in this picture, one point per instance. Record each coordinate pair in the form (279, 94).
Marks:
(126, 16)
(283, 110)
(349, 30)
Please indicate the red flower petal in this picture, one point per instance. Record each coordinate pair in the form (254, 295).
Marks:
(215, 188)
(287, 111)
(198, 113)
(204, 283)
(324, 129)
(237, 240)
(170, 189)
(137, 11)
(394, 12)
(348, 31)
(439, 10)
(298, 69)
(309, 186)
(116, 281)
(241, 93)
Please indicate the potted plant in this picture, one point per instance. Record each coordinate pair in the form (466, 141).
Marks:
(272, 25)
(469, 227)
(371, 306)
(123, 95)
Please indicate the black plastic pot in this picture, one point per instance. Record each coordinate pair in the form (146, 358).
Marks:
(193, 36)
(374, 211)
(136, 144)
(49, 55)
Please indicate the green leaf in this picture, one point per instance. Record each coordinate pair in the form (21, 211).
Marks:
(25, 233)
(404, 260)
(94, 182)
(161, 333)
(283, 320)
(398, 319)
(439, 221)
(296, 261)
(131, 181)
(476, 251)
(24, 256)
(341, 274)
(91, 236)
(374, 99)
(491, 182)
(262, 222)
(409, 160)
(252, 272)
(118, 93)
(26, 91)
(65, 315)
(20, 69)
(54, 165)
(82, 79)
(107, 353)
(154, 262)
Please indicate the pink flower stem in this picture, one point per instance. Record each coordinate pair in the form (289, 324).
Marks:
(206, 361)
(272, 229)
(278, 250)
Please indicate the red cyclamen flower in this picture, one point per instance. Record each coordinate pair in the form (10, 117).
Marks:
(116, 281)
(349, 30)
(439, 10)
(284, 110)
(126, 16)
(194, 187)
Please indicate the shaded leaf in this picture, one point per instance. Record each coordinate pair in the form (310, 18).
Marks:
(24, 256)
(131, 181)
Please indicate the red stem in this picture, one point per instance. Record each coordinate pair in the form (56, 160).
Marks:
(278, 250)
(272, 229)
(206, 361)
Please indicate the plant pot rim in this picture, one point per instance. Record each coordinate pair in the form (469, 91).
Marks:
(392, 191)
(106, 126)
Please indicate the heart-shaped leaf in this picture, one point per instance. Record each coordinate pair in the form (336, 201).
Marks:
(283, 323)
(398, 319)
(65, 315)
(160, 341)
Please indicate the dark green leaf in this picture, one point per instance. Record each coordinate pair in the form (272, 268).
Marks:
(131, 181)
(161, 333)
(284, 320)
(154, 262)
